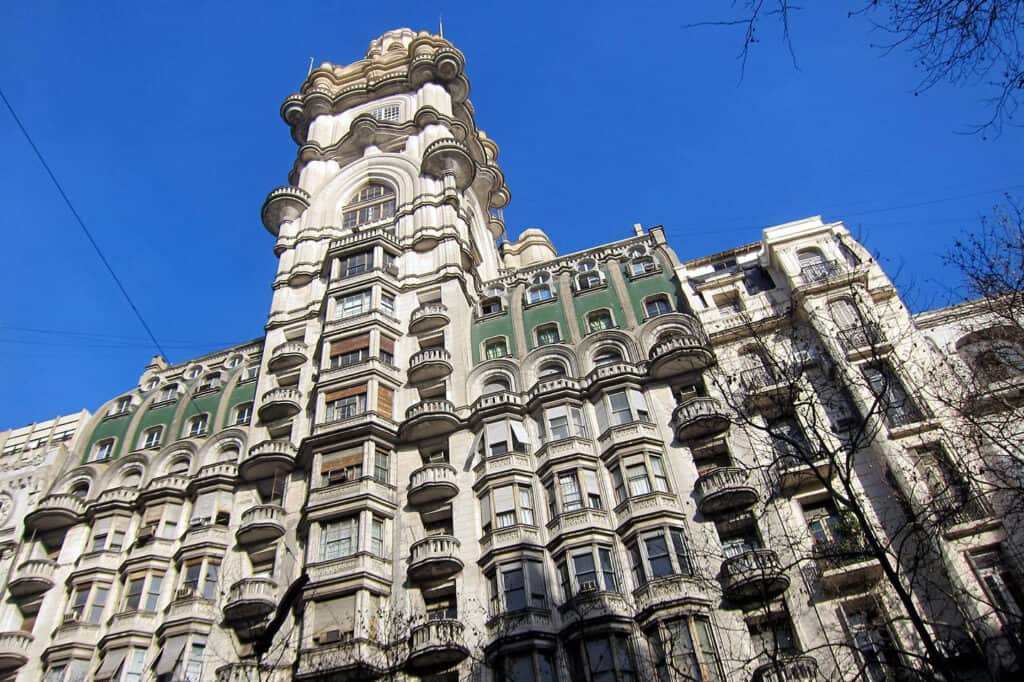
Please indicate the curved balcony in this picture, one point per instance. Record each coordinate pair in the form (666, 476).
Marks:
(788, 669)
(14, 650)
(699, 417)
(288, 355)
(448, 156)
(32, 577)
(428, 317)
(250, 599)
(724, 489)
(267, 459)
(282, 205)
(55, 512)
(432, 483)
(755, 574)
(280, 403)
(429, 365)
(261, 523)
(434, 558)
(429, 418)
(679, 354)
(436, 645)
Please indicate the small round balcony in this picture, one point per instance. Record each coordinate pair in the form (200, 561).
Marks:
(429, 365)
(14, 648)
(434, 558)
(788, 669)
(282, 205)
(428, 419)
(448, 156)
(261, 523)
(32, 577)
(428, 317)
(724, 489)
(432, 483)
(250, 599)
(55, 512)
(280, 403)
(754, 575)
(698, 417)
(679, 354)
(267, 459)
(436, 645)
(288, 355)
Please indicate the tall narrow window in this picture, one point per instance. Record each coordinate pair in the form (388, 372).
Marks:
(339, 538)
(497, 348)
(197, 425)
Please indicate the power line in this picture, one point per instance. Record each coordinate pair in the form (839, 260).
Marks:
(81, 224)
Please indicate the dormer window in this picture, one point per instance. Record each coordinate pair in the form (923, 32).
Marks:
(170, 392)
(540, 288)
(373, 203)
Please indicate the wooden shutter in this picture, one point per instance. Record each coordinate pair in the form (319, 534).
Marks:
(346, 392)
(387, 344)
(350, 344)
(385, 400)
(341, 460)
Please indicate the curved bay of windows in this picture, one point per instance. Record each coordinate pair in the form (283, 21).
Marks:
(588, 569)
(574, 490)
(507, 505)
(528, 665)
(517, 585)
(603, 659)
(373, 203)
(564, 421)
(685, 649)
(621, 407)
(660, 553)
(500, 438)
(639, 475)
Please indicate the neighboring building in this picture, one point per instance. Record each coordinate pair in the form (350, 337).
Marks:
(451, 457)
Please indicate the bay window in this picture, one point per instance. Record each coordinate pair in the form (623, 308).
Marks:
(658, 554)
(500, 438)
(339, 538)
(108, 534)
(348, 352)
(685, 649)
(603, 659)
(142, 591)
(181, 659)
(639, 475)
(199, 578)
(587, 569)
(87, 602)
(354, 264)
(345, 403)
(564, 421)
(622, 407)
(518, 585)
(351, 305)
(511, 505)
(576, 490)
(529, 665)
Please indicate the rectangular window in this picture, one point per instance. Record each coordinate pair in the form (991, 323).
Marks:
(345, 403)
(354, 264)
(339, 538)
(387, 304)
(639, 484)
(377, 536)
(896, 406)
(658, 471)
(593, 489)
(382, 466)
(352, 304)
(572, 499)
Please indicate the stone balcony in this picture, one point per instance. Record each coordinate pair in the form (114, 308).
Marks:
(14, 648)
(250, 599)
(796, 474)
(635, 509)
(502, 538)
(573, 447)
(172, 484)
(595, 606)
(55, 512)
(429, 365)
(630, 433)
(282, 205)
(428, 317)
(288, 355)
(436, 645)
(494, 404)
(845, 564)
(432, 483)
(434, 558)
(554, 388)
(699, 417)
(724, 489)
(267, 459)
(578, 521)
(765, 387)
(428, 419)
(613, 374)
(32, 577)
(788, 668)
(756, 574)
(667, 592)
(280, 403)
(354, 660)
(262, 523)
(679, 354)
(128, 622)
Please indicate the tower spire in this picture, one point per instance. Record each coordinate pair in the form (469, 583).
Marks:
(440, 25)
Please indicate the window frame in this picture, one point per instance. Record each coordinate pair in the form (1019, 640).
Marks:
(606, 576)
(677, 553)
(523, 511)
(531, 582)
(604, 318)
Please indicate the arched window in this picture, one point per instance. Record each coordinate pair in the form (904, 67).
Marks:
(496, 348)
(657, 305)
(228, 453)
(540, 288)
(151, 437)
(131, 478)
(551, 369)
(598, 320)
(493, 302)
(79, 489)
(103, 450)
(197, 425)
(642, 265)
(813, 266)
(607, 356)
(374, 202)
(179, 466)
(496, 383)
(589, 276)
(547, 333)
(243, 413)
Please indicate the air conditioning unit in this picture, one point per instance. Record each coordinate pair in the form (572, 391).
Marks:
(589, 586)
(186, 593)
(327, 637)
(72, 617)
(146, 533)
(199, 521)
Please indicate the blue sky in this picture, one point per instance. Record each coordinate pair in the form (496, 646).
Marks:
(161, 120)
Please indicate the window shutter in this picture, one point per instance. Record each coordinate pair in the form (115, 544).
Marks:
(519, 431)
(350, 344)
(171, 654)
(341, 460)
(387, 344)
(602, 415)
(336, 614)
(204, 506)
(504, 499)
(345, 393)
(385, 400)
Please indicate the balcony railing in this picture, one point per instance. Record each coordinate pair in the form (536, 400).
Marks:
(866, 335)
(437, 644)
(724, 488)
(843, 550)
(434, 557)
(814, 273)
(432, 483)
(756, 573)
(699, 417)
